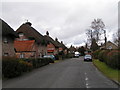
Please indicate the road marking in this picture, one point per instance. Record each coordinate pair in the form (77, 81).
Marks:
(86, 81)
(86, 78)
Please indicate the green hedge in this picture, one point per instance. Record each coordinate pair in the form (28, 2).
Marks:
(113, 59)
(102, 56)
(12, 67)
(110, 57)
(96, 53)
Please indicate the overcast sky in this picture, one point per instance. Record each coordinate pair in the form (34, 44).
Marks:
(65, 19)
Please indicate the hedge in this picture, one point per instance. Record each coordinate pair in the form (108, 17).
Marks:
(12, 67)
(110, 57)
(96, 53)
(113, 59)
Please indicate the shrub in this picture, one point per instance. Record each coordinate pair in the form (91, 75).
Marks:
(103, 55)
(12, 67)
(100, 56)
(113, 59)
(96, 53)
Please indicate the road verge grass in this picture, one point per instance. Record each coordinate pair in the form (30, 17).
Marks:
(111, 73)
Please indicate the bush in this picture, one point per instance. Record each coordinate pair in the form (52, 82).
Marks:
(12, 67)
(96, 53)
(38, 62)
(103, 55)
(113, 59)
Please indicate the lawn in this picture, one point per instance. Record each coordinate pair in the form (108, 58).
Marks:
(107, 71)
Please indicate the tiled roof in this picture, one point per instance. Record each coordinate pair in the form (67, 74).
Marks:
(24, 46)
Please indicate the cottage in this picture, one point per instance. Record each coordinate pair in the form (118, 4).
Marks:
(27, 32)
(8, 36)
(62, 47)
(109, 45)
(25, 49)
(52, 47)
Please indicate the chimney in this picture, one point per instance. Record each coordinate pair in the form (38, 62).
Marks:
(61, 42)
(47, 33)
(28, 23)
(56, 39)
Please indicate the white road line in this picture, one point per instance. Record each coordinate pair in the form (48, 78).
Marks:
(86, 78)
(86, 81)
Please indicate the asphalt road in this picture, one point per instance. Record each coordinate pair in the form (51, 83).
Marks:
(71, 73)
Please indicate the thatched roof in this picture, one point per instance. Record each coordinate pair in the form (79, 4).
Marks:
(30, 32)
(61, 45)
(50, 40)
(7, 30)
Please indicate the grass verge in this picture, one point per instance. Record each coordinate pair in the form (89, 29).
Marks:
(107, 71)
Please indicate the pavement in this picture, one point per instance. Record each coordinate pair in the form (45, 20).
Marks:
(70, 73)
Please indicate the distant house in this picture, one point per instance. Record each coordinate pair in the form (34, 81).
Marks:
(109, 45)
(52, 46)
(25, 49)
(62, 47)
(8, 36)
(27, 32)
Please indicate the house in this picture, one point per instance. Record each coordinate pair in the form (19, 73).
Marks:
(52, 46)
(8, 37)
(62, 47)
(27, 32)
(25, 49)
(109, 45)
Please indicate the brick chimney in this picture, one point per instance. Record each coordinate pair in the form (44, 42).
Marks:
(47, 33)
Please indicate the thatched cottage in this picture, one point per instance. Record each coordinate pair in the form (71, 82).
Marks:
(8, 36)
(27, 32)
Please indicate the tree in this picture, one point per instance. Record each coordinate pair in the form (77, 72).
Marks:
(96, 31)
(115, 38)
(94, 45)
(81, 50)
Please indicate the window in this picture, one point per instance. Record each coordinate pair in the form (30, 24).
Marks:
(21, 55)
(110, 47)
(5, 54)
(21, 34)
(5, 40)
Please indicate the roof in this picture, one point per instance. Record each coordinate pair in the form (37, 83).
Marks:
(7, 30)
(30, 32)
(109, 43)
(24, 46)
(49, 39)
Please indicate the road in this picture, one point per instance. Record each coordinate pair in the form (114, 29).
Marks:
(71, 73)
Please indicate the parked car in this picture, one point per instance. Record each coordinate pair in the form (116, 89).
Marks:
(87, 58)
(77, 54)
(52, 58)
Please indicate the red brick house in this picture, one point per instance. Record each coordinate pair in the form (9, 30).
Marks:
(8, 37)
(25, 49)
(27, 32)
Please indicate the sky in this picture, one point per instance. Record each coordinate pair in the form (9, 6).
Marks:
(65, 19)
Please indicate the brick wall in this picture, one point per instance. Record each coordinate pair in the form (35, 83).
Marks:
(8, 47)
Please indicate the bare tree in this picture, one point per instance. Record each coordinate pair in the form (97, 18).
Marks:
(96, 31)
(115, 38)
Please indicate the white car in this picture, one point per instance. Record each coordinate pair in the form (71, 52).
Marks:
(87, 58)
